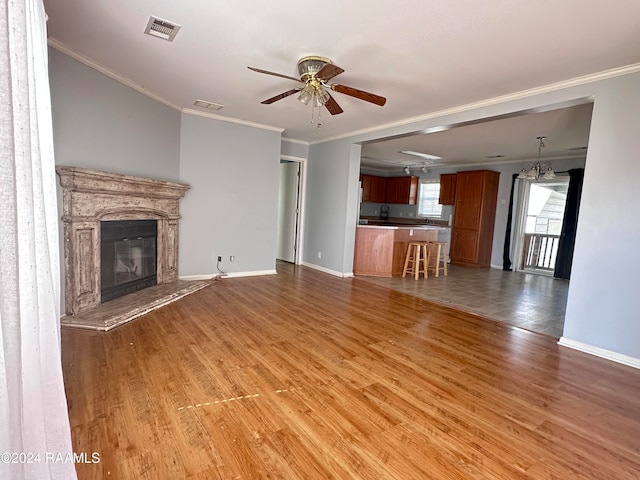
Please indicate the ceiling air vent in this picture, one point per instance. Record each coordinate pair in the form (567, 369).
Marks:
(162, 28)
(210, 105)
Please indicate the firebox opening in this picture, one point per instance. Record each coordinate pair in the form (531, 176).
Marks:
(128, 258)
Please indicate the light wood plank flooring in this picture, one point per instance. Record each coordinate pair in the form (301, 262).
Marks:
(303, 375)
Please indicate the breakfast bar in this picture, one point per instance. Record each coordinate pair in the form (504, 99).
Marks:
(380, 249)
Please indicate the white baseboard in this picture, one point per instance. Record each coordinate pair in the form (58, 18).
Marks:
(190, 278)
(228, 275)
(335, 273)
(600, 352)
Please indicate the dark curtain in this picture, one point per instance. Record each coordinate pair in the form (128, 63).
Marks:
(506, 260)
(569, 225)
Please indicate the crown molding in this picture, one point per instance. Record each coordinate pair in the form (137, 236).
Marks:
(552, 87)
(213, 116)
(293, 140)
(61, 47)
(139, 88)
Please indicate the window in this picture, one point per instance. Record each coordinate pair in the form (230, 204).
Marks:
(428, 197)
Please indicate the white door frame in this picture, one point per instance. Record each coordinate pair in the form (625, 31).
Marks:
(301, 202)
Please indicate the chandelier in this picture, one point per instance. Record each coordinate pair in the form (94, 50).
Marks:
(537, 170)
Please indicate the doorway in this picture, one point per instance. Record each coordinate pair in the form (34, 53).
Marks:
(289, 209)
(540, 227)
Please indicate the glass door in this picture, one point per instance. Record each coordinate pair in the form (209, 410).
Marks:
(542, 213)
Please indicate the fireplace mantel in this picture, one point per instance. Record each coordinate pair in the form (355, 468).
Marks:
(91, 196)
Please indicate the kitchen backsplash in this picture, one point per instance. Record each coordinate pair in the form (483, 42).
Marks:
(396, 210)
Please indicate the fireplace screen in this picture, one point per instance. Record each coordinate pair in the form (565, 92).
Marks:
(128, 257)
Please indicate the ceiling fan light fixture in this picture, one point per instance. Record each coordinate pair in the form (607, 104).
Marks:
(305, 95)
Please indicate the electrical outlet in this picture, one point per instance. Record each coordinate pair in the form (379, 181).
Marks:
(232, 258)
(219, 258)
(319, 254)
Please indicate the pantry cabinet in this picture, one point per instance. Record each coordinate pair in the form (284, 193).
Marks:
(474, 217)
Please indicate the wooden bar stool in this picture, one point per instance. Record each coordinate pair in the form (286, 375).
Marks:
(417, 252)
(437, 253)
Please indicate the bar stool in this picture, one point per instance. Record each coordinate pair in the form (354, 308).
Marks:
(416, 252)
(437, 253)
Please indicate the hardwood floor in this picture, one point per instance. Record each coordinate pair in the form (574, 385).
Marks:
(303, 375)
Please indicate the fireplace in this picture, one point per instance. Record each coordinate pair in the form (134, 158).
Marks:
(127, 257)
(120, 235)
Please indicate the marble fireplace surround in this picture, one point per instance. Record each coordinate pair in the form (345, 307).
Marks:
(91, 196)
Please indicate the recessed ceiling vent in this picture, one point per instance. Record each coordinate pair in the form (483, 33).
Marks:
(210, 105)
(160, 28)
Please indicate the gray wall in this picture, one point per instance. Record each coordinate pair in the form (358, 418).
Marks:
(332, 181)
(102, 124)
(232, 207)
(603, 308)
(294, 149)
(603, 305)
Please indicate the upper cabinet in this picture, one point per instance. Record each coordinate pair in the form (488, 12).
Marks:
(448, 188)
(389, 189)
(374, 188)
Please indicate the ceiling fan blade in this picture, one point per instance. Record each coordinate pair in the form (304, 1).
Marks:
(332, 106)
(281, 96)
(361, 94)
(274, 74)
(328, 72)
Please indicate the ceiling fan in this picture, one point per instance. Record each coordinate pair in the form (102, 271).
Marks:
(314, 73)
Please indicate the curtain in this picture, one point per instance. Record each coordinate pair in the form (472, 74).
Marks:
(506, 252)
(34, 423)
(564, 259)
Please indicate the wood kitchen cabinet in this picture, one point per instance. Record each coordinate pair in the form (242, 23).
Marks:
(378, 189)
(474, 217)
(389, 189)
(448, 188)
(402, 190)
(374, 188)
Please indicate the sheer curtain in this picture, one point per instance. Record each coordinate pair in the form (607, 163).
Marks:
(34, 424)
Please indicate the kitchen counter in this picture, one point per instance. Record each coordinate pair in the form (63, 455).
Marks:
(380, 249)
(405, 227)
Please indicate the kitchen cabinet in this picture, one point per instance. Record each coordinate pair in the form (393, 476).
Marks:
(474, 217)
(365, 183)
(402, 190)
(448, 188)
(378, 189)
(374, 188)
(379, 251)
(389, 189)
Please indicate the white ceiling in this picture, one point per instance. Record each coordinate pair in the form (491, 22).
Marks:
(513, 139)
(422, 55)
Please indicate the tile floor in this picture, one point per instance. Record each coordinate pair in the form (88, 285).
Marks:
(533, 302)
